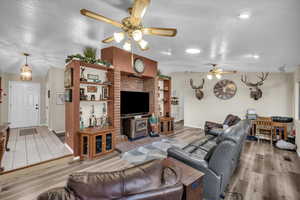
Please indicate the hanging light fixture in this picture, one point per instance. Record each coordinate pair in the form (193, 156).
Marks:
(26, 71)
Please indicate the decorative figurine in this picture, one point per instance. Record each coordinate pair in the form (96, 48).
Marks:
(81, 120)
(82, 76)
(92, 97)
(153, 121)
(82, 95)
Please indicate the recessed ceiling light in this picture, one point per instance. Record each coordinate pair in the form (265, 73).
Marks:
(168, 52)
(245, 15)
(256, 56)
(192, 51)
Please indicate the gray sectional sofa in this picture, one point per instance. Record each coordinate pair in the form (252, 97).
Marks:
(216, 156)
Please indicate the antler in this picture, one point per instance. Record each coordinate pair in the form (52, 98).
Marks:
(195, 87)
(262, 78)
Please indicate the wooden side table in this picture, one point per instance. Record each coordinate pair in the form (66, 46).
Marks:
(4, 137)
(191, 179)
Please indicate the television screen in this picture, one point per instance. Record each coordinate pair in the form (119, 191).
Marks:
(134, 102)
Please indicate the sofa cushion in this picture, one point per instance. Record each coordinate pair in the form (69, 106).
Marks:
(216, 131)
(210, 153)
(199, 154)
(207, 146)
(114, 185)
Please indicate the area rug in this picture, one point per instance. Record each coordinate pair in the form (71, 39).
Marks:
(27, 131)
(153, 151)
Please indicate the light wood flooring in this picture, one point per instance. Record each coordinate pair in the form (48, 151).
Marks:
(265, 173)
(32, 149)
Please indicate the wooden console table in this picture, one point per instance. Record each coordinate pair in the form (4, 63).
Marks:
(191, 179)
(4, 137)
(275, 125)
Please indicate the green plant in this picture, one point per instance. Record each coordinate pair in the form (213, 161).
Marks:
(89, 56)
(90, 52)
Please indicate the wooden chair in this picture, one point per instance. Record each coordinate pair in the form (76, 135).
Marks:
(264, 129)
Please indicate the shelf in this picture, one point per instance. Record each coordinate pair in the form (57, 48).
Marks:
(96, 130)
(96, 100)
(95, 66)
(91, 83)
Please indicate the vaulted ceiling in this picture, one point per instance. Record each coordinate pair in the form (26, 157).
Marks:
(52, 29)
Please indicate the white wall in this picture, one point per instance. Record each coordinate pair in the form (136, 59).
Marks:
(296, 85)
(277, 98)
(56, 113)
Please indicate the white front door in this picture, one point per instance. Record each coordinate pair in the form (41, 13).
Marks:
(24, 108)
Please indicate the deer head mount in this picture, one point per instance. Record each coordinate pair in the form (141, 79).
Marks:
(255, 91)
(198, 89)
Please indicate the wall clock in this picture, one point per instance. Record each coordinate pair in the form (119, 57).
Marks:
(225, 89)
(139, 65)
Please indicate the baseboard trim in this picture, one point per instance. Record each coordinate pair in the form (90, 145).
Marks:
(68, 147)
(192, 126)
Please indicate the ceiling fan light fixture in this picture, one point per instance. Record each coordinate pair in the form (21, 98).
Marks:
(209, 76)
(137, 35)
(26, 71)
(218, 76)
(143, 44)
(118, 37)
(127, 45)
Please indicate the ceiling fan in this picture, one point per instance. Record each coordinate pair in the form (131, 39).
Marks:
(132, 26)
(217, 72)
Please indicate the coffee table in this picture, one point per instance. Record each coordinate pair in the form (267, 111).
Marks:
(191, 179)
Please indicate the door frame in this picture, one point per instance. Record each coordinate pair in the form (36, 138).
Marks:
(10, 83)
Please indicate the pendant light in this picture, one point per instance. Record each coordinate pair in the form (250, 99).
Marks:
(26, 71)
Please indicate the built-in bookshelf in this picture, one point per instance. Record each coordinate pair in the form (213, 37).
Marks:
(166, 125)
(90, 110)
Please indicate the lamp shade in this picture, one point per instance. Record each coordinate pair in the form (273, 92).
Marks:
(26, 73)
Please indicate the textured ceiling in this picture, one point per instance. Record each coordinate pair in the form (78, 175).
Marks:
(52, 29)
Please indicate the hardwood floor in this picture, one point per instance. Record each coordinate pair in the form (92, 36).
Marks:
(31, 149)
(265, 173)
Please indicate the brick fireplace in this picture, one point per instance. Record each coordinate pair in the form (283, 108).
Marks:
(125, 79)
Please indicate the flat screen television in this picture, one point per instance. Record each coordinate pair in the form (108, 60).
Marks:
(134, 102)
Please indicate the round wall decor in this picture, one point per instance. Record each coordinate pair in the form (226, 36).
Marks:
(225, 89)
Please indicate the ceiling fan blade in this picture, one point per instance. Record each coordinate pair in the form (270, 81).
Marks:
(168, 32)
(138, 11)
(100, 17)
(108, 40)
(229, 72)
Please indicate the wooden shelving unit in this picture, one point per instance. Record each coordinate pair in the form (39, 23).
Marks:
(89, 143)
(166, 125)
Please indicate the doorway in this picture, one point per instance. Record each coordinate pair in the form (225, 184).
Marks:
(24, 104)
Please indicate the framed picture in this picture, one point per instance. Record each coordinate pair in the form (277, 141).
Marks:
(68, 95)
(93, 77)
(60, 98)
(68, 78)
(92, 89)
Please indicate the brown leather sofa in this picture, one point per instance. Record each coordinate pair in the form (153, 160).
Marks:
(216, 129)
(149, 181)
